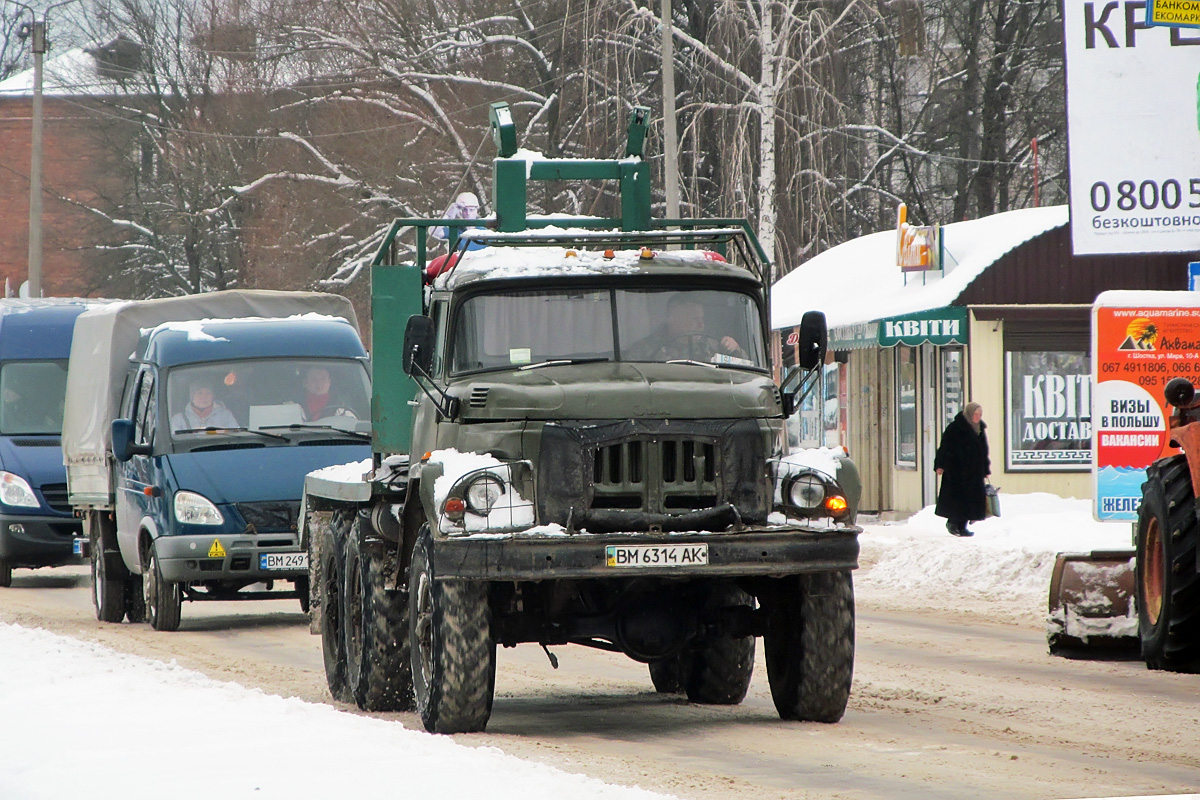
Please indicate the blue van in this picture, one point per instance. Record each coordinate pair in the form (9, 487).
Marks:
(217, 423)
(37, 526)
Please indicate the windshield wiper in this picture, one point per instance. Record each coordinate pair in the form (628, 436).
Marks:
(564, 361)
(232, 430)
(366, 437)
(693, 362)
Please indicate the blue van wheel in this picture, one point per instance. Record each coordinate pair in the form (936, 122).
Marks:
(164, 599)
(109, 574)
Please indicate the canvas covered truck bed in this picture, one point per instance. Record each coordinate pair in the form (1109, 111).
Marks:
(106, 338)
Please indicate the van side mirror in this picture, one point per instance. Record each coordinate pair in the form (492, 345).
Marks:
(814, 339)
(123, 446)
(418, 345)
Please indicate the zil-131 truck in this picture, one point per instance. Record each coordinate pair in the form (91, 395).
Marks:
(577, 439)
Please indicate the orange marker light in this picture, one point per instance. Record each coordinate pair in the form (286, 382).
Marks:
(609, 254)
(570, 254)
(836, 505)
(454, 507)
(648, 253)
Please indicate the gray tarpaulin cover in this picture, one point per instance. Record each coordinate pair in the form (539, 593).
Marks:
(107, 336)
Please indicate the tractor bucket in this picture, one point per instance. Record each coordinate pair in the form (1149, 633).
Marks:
(1092, 602)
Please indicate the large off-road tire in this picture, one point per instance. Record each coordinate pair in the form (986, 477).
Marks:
(1168, 588)
(453, 652)
(332, 610)
(667, 675)
(164, 598)
(717, 670)
(109, 573)
(809, 646)
(378, 659)
(135, 598)
(5, 573)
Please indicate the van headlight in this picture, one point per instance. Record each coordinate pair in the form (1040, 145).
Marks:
(15, 491)
(196, 509)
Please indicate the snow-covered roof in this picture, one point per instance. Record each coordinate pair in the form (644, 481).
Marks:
(530, 262)
(70, 74)
(859, 281)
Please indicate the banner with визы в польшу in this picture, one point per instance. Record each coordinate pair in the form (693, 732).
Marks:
(1140, 341)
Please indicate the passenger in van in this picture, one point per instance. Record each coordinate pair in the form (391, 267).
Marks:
(318, 400)
(685, 336)
(203, 409)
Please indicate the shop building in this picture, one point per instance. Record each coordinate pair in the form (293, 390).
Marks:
(1002, 319)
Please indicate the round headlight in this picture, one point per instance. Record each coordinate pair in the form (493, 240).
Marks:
(807, 491)
(483, 493)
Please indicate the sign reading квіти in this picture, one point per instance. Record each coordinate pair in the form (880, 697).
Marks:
(1133, 136)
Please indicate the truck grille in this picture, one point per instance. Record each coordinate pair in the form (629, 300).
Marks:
(55, 495)
(667, 475)
(636, 473)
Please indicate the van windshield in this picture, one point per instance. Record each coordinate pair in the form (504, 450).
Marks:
(516, 329)
(274, 396)
(31, 397)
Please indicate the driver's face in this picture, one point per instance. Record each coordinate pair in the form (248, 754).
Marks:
(685, 319)
(202, 398)
(316, 381)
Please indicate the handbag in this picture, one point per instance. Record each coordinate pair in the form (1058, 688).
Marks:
(992, 495)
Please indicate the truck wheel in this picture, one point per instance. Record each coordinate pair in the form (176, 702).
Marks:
(1168, 588)
(5, 573)
(135, 599)
(810, 646)
(453, 652)
(109, 574)
(718, 671)
(333, 641)
(378, 660)
(667, 675)
(164, 599)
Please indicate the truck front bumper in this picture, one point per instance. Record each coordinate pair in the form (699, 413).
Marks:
(227, 557)
(757, 551)
(27, 540)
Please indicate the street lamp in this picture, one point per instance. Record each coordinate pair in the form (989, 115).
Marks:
(36, 31)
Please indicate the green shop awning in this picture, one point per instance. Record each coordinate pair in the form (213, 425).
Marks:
(939, 326)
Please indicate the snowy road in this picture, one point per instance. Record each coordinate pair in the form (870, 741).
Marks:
(945, 705)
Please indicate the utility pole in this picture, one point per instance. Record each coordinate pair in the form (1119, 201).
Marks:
(38, 45)
(36, 32)
(671, 145)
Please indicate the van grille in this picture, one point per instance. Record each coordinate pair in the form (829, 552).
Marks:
(55, 495)
(271, 516)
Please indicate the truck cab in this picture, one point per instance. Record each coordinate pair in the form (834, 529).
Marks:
(37, 528)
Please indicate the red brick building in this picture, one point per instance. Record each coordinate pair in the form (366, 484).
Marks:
(74, 173)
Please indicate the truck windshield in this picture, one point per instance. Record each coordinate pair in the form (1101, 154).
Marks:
(274, 396)
(516, 329)
(31, 396)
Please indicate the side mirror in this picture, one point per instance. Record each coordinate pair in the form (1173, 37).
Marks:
(814, 339)
(123, 447)
(418, 345)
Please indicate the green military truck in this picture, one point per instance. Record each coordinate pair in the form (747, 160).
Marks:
(578, 440)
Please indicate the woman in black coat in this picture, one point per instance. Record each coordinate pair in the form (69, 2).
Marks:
(962, 461)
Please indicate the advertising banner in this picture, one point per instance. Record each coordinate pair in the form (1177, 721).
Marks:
(1049, 409)
(1137, 347)
(1132, 130)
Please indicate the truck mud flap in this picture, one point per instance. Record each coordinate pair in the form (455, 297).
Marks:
(1092, 608)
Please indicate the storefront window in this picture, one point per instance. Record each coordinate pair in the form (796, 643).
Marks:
(906, 406)
(953, 397)
(1048, 410)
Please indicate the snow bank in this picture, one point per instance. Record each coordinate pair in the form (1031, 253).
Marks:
(83, 720)
(1006, 565)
